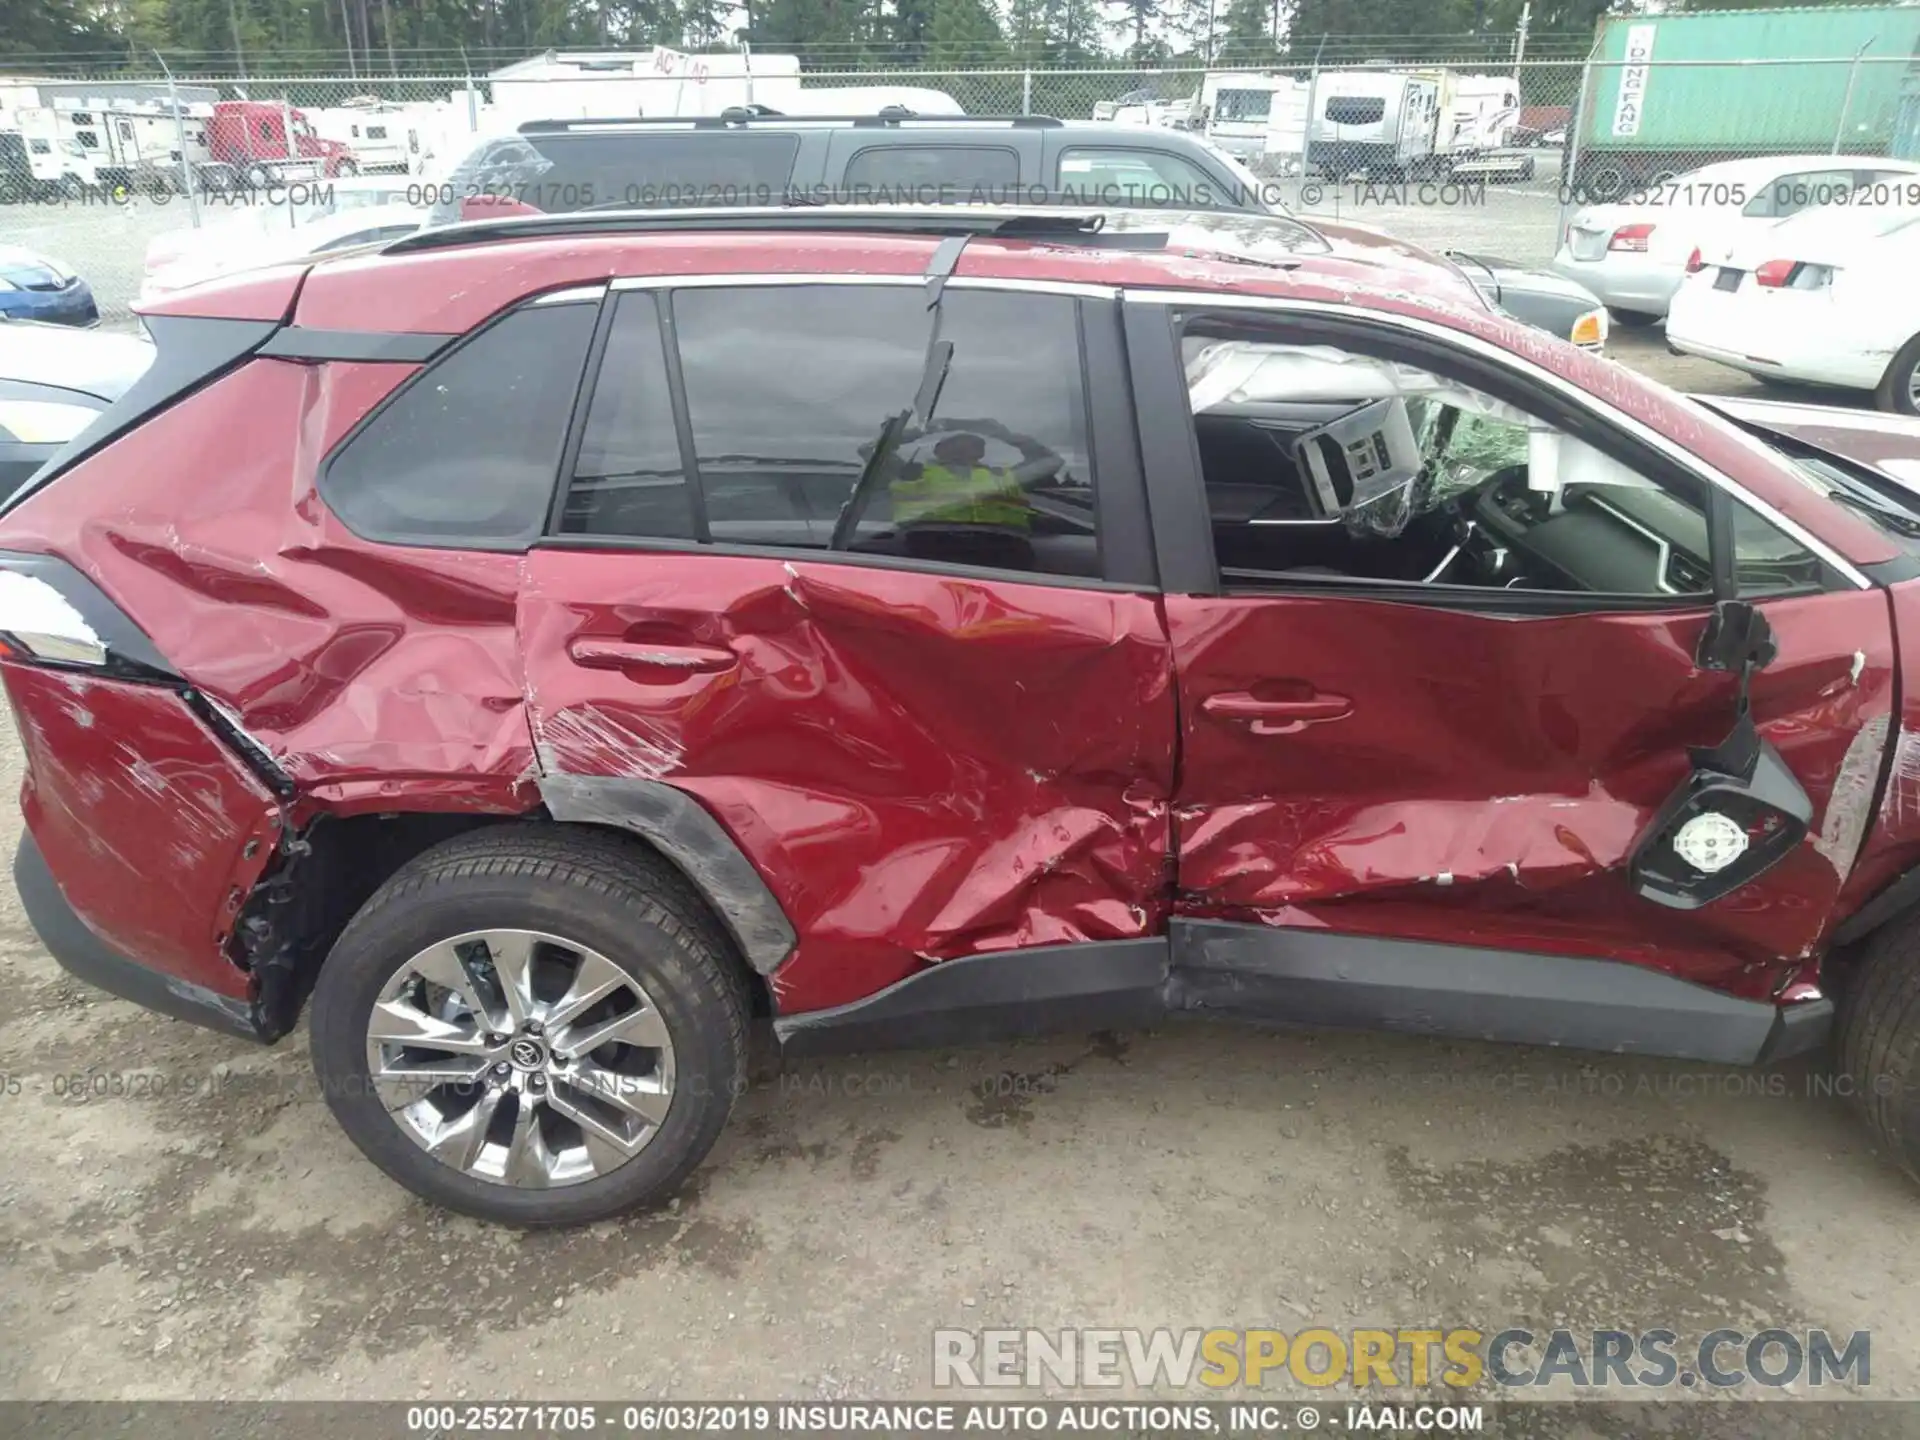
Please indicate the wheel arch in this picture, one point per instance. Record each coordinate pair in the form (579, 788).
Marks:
(327, 870)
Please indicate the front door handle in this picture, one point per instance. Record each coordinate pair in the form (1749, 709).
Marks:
(597, 653)
(1276, 716)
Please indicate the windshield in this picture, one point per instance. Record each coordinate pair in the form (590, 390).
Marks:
(1890, 507)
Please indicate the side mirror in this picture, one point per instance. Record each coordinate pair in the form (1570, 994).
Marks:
(1740, 811)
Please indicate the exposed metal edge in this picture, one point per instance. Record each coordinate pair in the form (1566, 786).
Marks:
(296, 342)
(681, 829)
(1091, 985)
(1388, 320)
(1313, 978)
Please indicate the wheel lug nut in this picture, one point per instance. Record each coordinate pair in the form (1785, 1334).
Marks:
(496, 1039)
(538, 1082)
(502, 1068)
(533, 1027)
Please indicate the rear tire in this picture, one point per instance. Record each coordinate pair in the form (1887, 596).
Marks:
(646, 933)
(1879, 1040)
(1899, 389)
(1632, 319)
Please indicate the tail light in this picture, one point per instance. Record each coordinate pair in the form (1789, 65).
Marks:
(1694, 263)
(1792, 275)
(1630, 237)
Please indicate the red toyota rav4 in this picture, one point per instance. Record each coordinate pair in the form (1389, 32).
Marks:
(550, 642)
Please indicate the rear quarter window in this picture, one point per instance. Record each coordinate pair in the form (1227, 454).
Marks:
(466, 454)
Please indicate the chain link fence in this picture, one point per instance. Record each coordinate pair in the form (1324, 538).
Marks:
(1491, 158)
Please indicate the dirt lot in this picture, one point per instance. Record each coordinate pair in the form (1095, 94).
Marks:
(180, 1218)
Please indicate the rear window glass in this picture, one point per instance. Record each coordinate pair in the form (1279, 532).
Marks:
(563, 172)
(922, 172)
(1355, 109)
(467, 453)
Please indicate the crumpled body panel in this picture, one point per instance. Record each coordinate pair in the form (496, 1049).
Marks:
(1489, 780)
(920, 766)
(377, 677)
(145, 816)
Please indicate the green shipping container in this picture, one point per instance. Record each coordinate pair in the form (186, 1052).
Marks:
(1644, 96)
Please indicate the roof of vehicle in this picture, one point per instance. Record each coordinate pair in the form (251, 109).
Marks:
(85, 360)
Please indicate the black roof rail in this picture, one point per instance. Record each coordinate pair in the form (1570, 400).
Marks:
(1084, 228)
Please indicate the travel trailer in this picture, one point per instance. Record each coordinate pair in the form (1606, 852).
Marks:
(591, 85)
(77, 144)
(383, 137)
(657, 83)
(1249, 115)
(1420, 123)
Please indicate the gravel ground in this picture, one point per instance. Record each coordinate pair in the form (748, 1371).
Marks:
(213, 1234)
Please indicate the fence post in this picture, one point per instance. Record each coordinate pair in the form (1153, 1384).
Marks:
(1026, 92)
(180, 138)
(1313, 102)
(1846, 105)
(1570, 157)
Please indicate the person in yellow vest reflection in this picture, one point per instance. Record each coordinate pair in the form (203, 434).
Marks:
(954, 506)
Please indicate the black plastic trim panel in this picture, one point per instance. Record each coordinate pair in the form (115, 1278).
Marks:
(681, 829)
(1099, 985)
(1306, 977)
(373, 346)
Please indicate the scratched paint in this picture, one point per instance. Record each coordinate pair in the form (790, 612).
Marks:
(1850, 806)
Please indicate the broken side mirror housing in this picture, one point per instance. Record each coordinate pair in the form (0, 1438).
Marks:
(1740, 811)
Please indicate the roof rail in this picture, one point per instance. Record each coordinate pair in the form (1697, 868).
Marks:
(749, 114)
(1085, 227)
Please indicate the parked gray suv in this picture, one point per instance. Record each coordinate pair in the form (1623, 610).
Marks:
(754, 156)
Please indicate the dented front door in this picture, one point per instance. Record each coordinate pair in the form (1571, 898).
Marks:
(922, 753)
(1409, 771)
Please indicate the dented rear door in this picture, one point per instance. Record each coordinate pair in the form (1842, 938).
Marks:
(925, 751)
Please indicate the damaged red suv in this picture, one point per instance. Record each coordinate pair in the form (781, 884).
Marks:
(548, 643)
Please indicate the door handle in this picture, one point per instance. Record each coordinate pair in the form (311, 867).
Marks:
(1276, 716)
(595, 653)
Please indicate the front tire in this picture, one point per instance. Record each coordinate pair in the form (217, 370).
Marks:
(1899, 389)
(1879, 1040)
(533, 1025)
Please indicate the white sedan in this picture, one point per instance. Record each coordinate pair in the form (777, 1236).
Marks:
(328, 215)
(1825, 299)
(1634, 254)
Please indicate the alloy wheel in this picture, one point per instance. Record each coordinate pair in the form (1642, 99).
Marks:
(521, 1058)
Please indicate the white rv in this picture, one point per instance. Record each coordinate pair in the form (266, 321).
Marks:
(114, 141)
(1415, 123)
(608, 85)
(1244, 110)
(383, 136)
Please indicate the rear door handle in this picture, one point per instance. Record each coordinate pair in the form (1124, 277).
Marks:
(1276, 717)
(596, 653)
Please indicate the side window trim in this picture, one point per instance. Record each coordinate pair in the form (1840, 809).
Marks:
(1555, 393)
(1126, 553)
